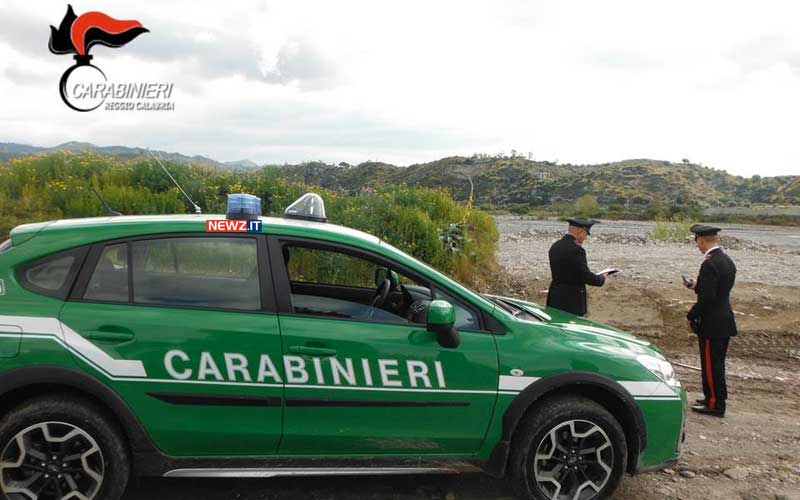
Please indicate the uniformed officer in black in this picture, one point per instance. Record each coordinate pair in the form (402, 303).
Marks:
(711, 318)
(570, 270)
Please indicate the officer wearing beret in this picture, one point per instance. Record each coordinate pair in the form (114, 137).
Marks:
(711, 318)
(570, 271)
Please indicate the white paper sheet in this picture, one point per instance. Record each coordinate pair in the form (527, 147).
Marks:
(608, 270)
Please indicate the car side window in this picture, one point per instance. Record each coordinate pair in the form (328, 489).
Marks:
(328, 282)
(52, 275)
(109, 281)
(466, 319)
(212, 272)
(314, 265)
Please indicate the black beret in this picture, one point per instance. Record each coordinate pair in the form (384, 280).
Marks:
(704, 230)
(583, 223)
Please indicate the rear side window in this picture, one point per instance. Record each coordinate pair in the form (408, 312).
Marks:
(52, 275)
(212, 272)
(109, 281)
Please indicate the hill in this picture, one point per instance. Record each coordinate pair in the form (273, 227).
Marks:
(632, 186)
(638, 188)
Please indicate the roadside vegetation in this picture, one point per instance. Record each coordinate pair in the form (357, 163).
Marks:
(426, 223)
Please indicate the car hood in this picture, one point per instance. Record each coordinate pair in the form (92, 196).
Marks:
(572, 323)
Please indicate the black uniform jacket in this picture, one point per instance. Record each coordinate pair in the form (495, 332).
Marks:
(712, 313)
(571, 274)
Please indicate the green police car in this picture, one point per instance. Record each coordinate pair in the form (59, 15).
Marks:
(245, 346)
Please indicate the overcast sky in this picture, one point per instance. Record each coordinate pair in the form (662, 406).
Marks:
(413, 81)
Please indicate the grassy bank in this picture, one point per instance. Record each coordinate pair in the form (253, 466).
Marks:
(426, 223)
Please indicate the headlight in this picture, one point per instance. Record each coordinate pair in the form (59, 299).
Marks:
(660, 368)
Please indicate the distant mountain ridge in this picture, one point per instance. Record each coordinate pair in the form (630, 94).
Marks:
(9, 150)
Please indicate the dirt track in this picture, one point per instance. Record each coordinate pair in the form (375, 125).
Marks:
(753, 454)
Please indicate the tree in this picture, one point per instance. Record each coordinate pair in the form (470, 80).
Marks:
(587, 206)
(655, 210)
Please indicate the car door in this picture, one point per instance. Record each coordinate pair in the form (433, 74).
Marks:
(369, 380)
(184, 329)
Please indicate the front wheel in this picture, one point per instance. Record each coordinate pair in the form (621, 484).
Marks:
(57, 448)
(568, 448)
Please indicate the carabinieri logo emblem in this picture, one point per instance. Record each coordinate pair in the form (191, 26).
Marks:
(77, 35)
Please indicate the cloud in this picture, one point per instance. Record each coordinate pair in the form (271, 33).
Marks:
(622, 59)
(204, 52)
(25, 32)
(22, 76)
(580, 80)
(300, 62)
(767, 51)
(210, 53)
(200, 50)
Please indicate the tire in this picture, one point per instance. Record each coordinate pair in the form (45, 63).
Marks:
(80, 447)
(600, 452)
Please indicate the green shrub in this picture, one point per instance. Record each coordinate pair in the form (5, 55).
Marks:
(675, 229)
(587, 206)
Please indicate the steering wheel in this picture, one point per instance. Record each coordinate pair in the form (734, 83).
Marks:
(381, 294)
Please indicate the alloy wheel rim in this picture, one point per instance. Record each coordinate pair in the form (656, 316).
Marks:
(573, 461)
(51, 461)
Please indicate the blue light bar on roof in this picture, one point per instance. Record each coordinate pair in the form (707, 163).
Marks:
(243, 206)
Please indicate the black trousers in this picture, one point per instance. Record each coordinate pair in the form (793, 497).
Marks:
(712, 361)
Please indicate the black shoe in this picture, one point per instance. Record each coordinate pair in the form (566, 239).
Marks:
(701, 402)
(705, 410)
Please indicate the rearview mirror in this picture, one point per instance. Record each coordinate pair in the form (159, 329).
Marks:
(441, 318)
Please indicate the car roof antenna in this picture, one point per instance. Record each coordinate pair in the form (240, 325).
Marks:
(197, 209)
(109, 211)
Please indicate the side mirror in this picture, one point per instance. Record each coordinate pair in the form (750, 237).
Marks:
(441, 318)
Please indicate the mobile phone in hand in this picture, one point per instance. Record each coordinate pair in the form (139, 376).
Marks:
(687, 282)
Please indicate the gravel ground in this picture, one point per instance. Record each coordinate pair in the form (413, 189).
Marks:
(753, 454)
(783, 237)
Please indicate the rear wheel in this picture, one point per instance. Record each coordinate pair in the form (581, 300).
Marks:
(568, 448)
(57, 448)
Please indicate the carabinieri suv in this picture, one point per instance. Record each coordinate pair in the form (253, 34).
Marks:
(160, 346)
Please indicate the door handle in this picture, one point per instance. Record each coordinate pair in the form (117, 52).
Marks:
(109, 334)
(312, 351)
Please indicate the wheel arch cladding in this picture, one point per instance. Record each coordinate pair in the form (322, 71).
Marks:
(603, 390)
(20, 384)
